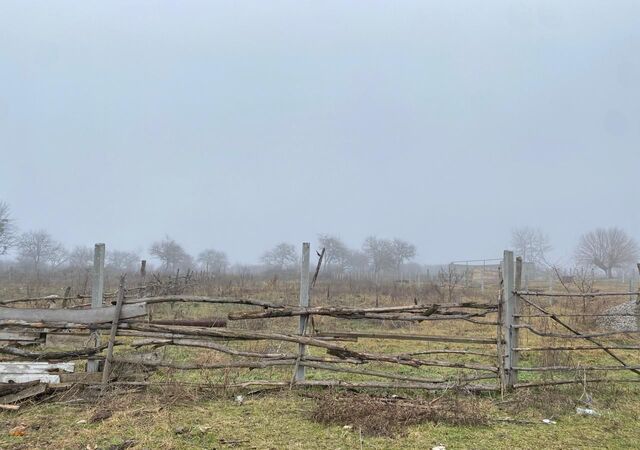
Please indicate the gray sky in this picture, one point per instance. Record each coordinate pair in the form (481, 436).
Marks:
(239, 124)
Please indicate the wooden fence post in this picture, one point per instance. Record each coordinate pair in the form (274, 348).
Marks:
(508, 319)
(97, 297)
(106, 370)
(304, 303)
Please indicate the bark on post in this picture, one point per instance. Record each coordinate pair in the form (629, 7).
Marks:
(106, 371)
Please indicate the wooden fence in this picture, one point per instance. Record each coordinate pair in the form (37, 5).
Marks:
(474, 346)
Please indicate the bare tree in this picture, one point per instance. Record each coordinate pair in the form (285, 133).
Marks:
(532, 244)
(7, 230)
(607, 249)
(281, 257)
(38, 248)
(336, 252)
(81, 257)
(402, 251)
(357, 262)
(380, 254)
(449, 280)
(213, 261)
(171, 254)
(122, 261)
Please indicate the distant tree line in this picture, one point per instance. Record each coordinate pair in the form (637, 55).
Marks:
(37, 251)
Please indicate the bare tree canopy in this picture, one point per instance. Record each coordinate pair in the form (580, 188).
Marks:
(379, 253)
(532, 244)
(7, 232)
(38, 248)
(171, 254)
(281, 257)
(385, 254)
(402, 251)
(122, 261)
(336, 252)
(607, 249)
(81, 257)
(213, 261)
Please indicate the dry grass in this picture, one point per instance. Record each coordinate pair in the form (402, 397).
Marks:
(390, 416)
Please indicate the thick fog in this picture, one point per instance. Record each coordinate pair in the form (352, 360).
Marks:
(238, 125)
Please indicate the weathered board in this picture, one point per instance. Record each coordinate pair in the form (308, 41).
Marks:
(19, 337)
(79, 316)
(22, 372)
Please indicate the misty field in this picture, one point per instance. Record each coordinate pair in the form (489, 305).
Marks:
(170, 408)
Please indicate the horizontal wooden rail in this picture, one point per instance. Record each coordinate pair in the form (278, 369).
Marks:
(407, 337)
(578, 315)
(576, 381)
(576, 368)
(576, 295)
(572, 336)
(320, 383)
(577, 347)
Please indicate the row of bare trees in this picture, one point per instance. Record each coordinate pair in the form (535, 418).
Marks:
(376, 256)
(604, 248)
(607, 249)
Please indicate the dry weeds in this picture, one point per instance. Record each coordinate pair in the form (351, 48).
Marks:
(389, 416)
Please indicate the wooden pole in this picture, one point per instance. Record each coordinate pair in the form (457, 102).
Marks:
(515, 356)
(304, 303)
(508, 286)
(97, 295)
(106, 371)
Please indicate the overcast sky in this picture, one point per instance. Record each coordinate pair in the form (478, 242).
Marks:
(239, 124)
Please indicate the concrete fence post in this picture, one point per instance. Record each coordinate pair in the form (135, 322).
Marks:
(508, 319)
(97, 297)
(304, 303)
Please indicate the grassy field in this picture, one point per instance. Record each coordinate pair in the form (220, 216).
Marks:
(283, 420)
(175, 415)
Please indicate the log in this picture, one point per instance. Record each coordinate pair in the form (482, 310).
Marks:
(576, 368)
(411, 312)
(218, 322)
(201, 299)
(328, 383)
(77, 316)
(379, 374)
(574, 336)
(576, 347)
(206, 366)
(576, 381)
(410, 337)
(577, 295)
(52, 356)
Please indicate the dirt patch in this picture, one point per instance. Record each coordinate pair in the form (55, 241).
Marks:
(389, 416)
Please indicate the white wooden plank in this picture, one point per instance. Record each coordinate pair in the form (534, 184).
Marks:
(35, 367)
(25, 377)
(80, 316)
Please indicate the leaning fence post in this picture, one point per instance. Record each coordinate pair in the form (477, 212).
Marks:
(106, 370)
(508, 319)
(304, 303)
(97, 295)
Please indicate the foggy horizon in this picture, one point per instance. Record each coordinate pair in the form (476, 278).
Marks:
(238, 126)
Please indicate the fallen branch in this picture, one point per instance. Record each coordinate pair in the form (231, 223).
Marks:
(52, 356)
